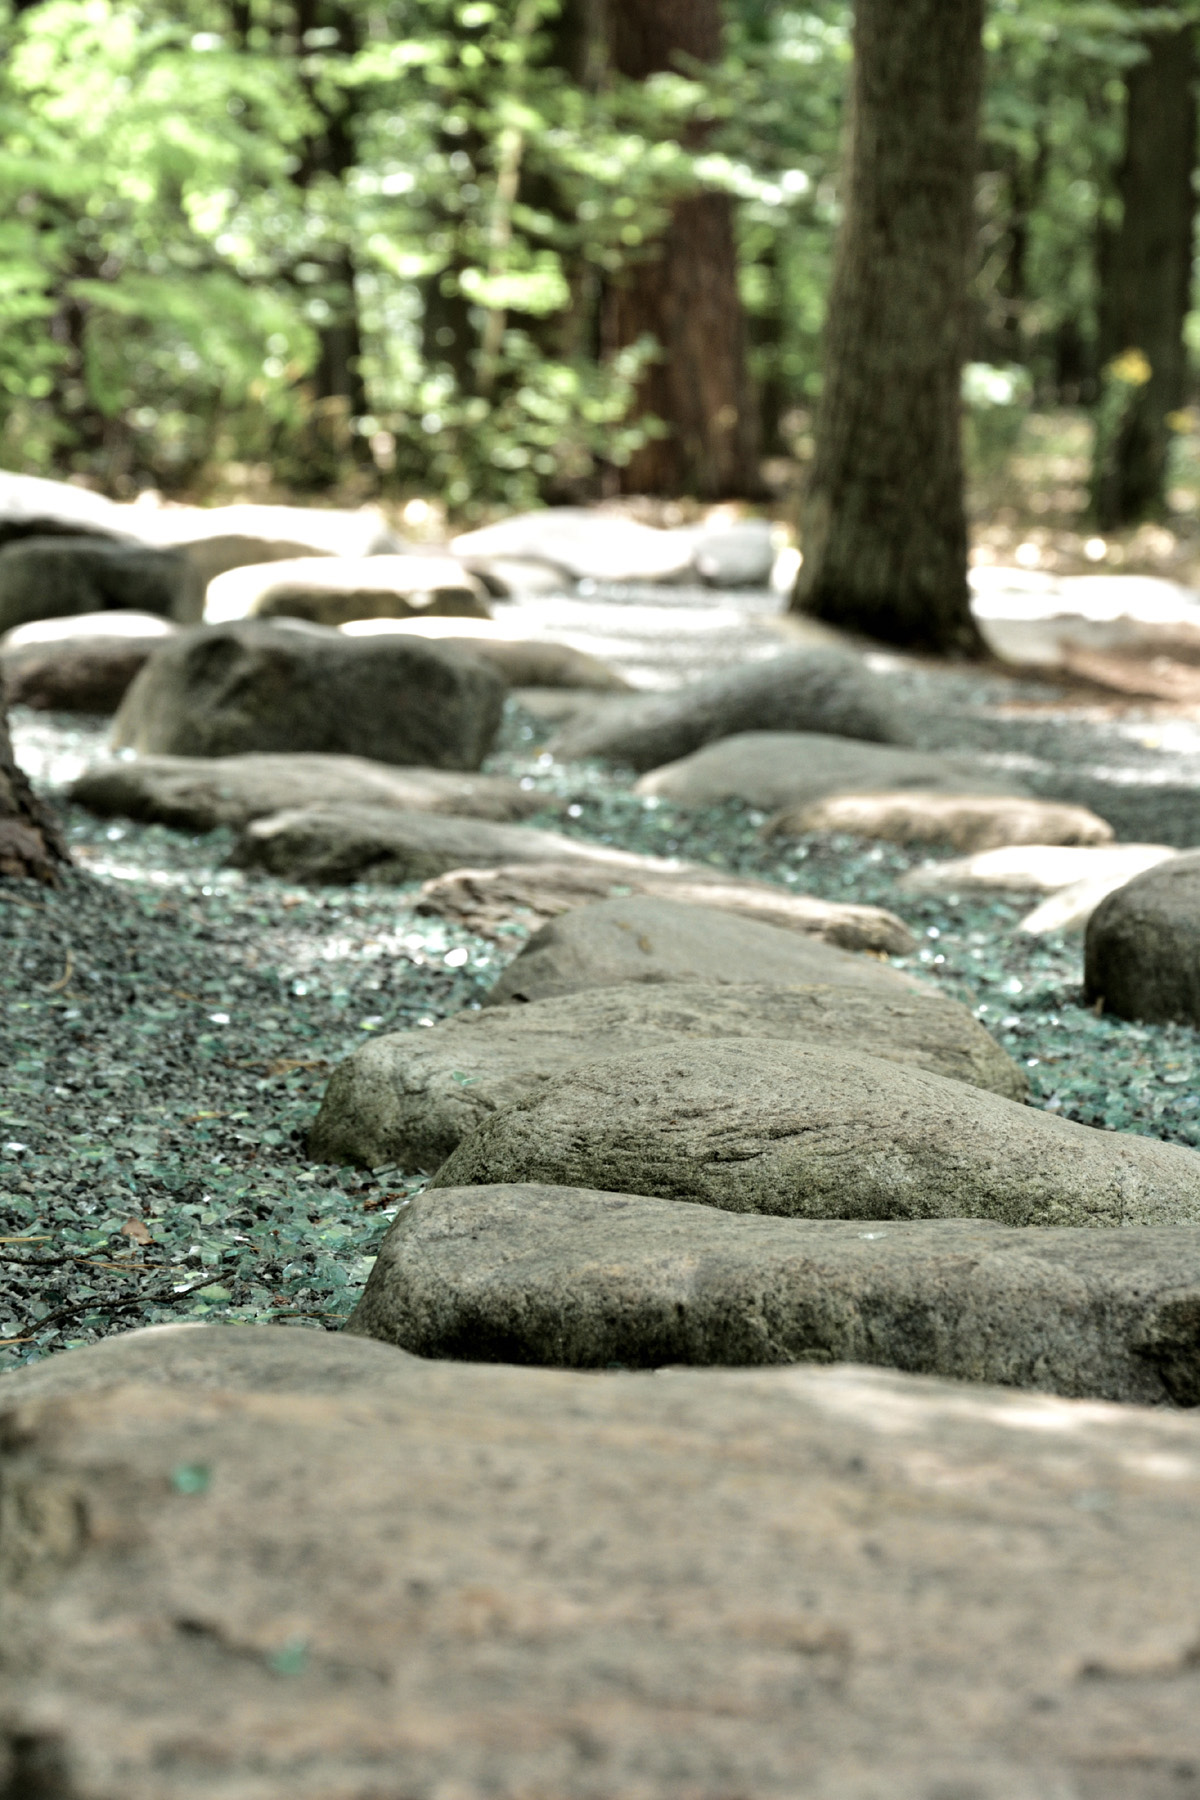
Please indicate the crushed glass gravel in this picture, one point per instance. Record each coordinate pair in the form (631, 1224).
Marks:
(167, 1026)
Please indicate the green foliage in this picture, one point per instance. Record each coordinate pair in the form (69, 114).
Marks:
(195, 201)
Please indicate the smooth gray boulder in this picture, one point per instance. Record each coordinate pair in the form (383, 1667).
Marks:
(583, 1280)
(249, 1359)
(1142, 949)
(410, 1097)
(80, 664)
(387, 845)
(785, 1584)
(217, 538)
(198, 793)
(964, 822)
(491, 901)
(803, 690)
(54, 577)
(650, 940)
(331, 590)
(772, 769)
(822, 1134)
(227, 690)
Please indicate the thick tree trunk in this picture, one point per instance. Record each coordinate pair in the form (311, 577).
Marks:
(1146, 281)
(339, 390)
(684, 293)
(31, 846)
(884, 528)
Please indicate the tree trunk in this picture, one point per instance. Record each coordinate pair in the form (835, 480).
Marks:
(884, 528)
(1146, 283)
(31, 846)
(685, 294)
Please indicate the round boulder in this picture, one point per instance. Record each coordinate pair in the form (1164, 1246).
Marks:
(1142, 951)
(228, 690)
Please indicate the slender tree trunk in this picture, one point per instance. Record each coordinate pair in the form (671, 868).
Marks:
(884, 528)
(31, 846)
(685, 294)
(1146, 279)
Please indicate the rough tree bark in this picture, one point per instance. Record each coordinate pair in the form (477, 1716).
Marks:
(684, 293)
(31, 846)
(1146, 277)
(884, 525)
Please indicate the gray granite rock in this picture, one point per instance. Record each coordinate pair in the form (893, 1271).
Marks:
(230, 689)
(643, 939)
(773, 768)
(801, 690)
(1142, 950)
(78, 664)
(523, 662)
(580, 1279)
(410, 1097)
(388, 845)
(54, 577)
(834, 1584)
(491, 901)
(331, 590)
(964, 822)
(198, 793)
(254, 1359)
(32, 506)
(813, 1133)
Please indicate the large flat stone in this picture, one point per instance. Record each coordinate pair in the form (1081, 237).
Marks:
(644, 939)
(801, 690)
(385, 844)
(32, 506)
(410, 1097)
(1037, 868)
(258, 1359)
(83, 663)
(772, 769)
(227, 690)
(584, 544)
(578, 1279)
(837, 1584)
(963, 822)
(198, 793)
(217, 538)
(813, 1133)
(491, 902)
(332, 590)
(523, 662)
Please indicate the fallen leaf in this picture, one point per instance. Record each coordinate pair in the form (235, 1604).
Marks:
(133, 1228)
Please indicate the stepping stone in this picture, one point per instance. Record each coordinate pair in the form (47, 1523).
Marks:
(823, 691)
(80, 664)
(821, 1134)
(1049, 620)
(649, 940)
(583, 545)
(384, 844)
(198, 793)
(226, 690)
(490, 902)
(554, 706)
(771, 769)
(1040, 868)
(258, 1359)
(1142, 952)
(217, 538)
(579, 1279)
(329, 590)
(964, 822)
(845, 1583)
(410, 1097)
(523, 662)
(31, 506)
(55, 577)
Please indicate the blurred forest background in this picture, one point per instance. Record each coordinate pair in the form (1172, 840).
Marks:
(423, 250)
